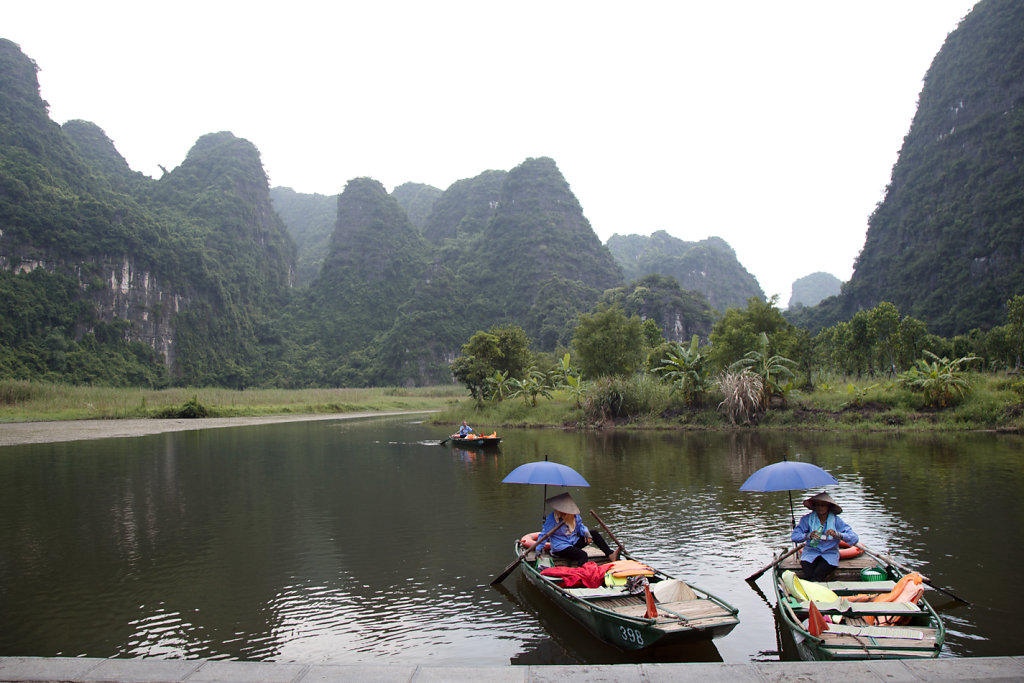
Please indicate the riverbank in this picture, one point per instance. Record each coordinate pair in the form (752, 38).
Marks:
(22, 401)
(995, 403)
(19, 433)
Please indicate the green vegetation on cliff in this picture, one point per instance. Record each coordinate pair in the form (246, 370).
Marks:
(945, 245)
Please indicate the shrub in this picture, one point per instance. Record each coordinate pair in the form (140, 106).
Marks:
(743, 396)
(611, 398)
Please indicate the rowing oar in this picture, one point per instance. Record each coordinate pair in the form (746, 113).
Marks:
(540, 543)
(885, 558)
(608, 531)
(444, 441)
(756, 575)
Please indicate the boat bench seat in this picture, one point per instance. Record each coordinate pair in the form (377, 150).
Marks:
(856, 608)
(597, 593)
(877, 631)
(860, 586)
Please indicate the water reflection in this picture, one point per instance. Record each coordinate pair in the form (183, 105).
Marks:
(350, 541)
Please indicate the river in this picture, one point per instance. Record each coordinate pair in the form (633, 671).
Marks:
(334, 542)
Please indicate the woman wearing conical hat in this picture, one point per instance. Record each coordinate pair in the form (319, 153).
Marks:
(821, 530)
(569, 541)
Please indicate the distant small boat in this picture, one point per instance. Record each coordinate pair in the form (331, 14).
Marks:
(869, 619)
(478, 440)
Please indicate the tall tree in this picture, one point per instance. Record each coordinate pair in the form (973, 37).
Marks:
(608, 344)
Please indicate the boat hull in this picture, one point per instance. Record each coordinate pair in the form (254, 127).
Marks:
(629, 632)
(483, 442)
(925, 630)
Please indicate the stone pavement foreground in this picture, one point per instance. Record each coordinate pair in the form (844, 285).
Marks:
(76, 670)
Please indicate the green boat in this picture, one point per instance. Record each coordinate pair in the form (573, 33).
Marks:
(867, 618)
(614, 615)
(475, 440)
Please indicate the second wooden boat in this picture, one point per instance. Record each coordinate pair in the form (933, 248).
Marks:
(887, 617)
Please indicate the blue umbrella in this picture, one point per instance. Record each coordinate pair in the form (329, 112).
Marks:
(545, 472)
(788, 475)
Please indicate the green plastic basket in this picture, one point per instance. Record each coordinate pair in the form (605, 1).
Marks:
(873, 574)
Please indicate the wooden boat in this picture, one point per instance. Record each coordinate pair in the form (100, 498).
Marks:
(475, 440)
(914, 629)
(684, 612)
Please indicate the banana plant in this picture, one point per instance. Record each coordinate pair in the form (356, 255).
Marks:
(498, 386)
(686, 369)
(536, 383)
(941, 380)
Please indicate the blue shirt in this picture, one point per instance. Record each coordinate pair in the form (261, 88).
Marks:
(826, 547)
(465, 429)
(562, 539)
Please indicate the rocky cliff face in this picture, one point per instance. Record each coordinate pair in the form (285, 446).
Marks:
(118, 290)
(202, 245)
(946, 245)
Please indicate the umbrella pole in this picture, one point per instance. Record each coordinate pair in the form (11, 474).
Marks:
(792, 517)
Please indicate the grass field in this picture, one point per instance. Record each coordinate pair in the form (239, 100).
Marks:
(995, 402)
(31, 401)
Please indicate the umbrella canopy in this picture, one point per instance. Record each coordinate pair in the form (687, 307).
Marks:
(545, 472)
(788, 475)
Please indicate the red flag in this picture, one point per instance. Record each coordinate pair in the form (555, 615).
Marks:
(652, 611)
(816, 623)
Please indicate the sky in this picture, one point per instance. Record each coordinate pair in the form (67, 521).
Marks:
(773, 125)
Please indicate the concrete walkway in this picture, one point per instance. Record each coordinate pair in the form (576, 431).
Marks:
(77, 670)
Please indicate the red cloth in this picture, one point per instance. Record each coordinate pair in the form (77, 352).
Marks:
(589, 575)
(816, 624)
(652, 611)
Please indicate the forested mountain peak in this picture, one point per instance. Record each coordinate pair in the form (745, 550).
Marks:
(537, 232)
(29, 138)
(97, 148)
(221, 161)
(310, 221)
(814, 288)
(375, 259)
(19, 85)
(709, 266)
(418, 201)
(946, 244)
(463, 210)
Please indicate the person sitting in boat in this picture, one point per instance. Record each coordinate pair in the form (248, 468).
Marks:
(569, 540)
(821, 531)
(465, 430)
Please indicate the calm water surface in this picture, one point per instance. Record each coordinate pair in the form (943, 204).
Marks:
(349, 541)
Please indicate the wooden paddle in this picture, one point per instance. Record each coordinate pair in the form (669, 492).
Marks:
(608, 531)
(540, 542)
(444, 441)
(756, 575)
(888, 560)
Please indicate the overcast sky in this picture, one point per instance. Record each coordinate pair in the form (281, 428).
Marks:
(773, 125)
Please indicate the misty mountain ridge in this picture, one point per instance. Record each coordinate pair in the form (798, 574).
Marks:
(208, 276)
(192, 278)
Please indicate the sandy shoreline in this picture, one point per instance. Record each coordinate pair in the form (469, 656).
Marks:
(18, 433)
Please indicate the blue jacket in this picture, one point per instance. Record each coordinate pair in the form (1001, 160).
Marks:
(827, 547)
(562, 539)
